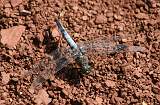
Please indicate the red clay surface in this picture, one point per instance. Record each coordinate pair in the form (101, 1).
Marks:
(121, 79)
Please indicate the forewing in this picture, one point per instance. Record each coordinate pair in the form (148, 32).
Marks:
(104, 47)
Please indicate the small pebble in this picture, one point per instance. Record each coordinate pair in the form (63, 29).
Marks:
(25, 12)
(84, 17)
(118, 17)
(15, 79)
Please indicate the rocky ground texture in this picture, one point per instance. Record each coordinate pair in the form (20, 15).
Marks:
(128, 78)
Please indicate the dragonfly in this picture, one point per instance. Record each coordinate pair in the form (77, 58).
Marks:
(79, 52)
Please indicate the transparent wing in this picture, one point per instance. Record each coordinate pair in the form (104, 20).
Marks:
(61, 58)
(47, 67)
(103, 47)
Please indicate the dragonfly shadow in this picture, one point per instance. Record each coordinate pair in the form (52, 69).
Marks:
(70, 74)
(49, 41)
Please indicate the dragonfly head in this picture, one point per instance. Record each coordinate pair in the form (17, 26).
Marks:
(86, 69)
(83, 61)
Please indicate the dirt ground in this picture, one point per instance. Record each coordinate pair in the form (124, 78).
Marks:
(128, 78)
